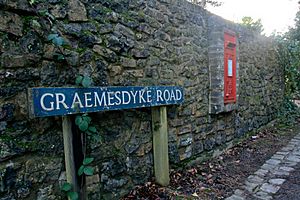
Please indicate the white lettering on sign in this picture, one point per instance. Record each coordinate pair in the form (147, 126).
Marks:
(172, 95)
(103, 98)
(159, 95)
(100, 101)
(42, 102)
(88, 99)
(178, 95)
(148, 96)
(134, 96)
(167, 95)
(76, 101)
(141, 98)
(123, 97)
(118, 97)
(110, 98)
(60, 101)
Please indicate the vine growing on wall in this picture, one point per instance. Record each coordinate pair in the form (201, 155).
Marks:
(289, 59)
(84, 122)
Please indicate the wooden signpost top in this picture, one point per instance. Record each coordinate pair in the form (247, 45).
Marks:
(64, 101)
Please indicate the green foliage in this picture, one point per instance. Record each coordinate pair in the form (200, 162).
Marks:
(80, 170)
(46, 14)
(72, 195)
(58, 56)
(85, 168)
(255, 26)
(83, 122)
(289, 59)
(92, 129)
(56, 39)
(78, 80)
(88, 170)
(67, 188)
(288, 112)
(84, 81)
(31, 2)
(87, 161)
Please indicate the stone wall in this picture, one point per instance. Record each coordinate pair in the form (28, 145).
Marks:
(164, 42)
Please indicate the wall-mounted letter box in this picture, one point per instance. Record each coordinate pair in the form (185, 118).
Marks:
(229, 67)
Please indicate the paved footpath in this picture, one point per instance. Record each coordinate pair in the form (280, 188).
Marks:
(266, 181)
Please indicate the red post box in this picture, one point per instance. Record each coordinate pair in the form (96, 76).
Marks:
(229, 67)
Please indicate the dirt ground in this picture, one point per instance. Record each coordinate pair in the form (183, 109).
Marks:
(218, 178)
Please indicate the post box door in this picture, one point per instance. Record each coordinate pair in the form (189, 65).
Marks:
(229, 68)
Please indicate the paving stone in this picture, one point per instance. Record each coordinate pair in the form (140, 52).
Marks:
(239, 192)
(267, 166)
(294, 143)
(297, 137)
(293, 158)
(288, 169)
(289, 164)
(283, 152)
(291, 146)
(235, 197)
(276, 181)
(255, 179)
(262, 195)
(273, 162)
(269, 188)
(281, 173)
(250, 187)
(261, 172)
(279, 157)
(297, 153)
(287, 149)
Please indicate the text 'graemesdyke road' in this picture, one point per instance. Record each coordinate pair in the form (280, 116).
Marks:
(63, 101)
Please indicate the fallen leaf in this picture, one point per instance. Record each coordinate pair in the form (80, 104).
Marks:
(195, 194)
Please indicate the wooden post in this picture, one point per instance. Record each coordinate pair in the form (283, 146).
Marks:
(160, 145)
(69, 153)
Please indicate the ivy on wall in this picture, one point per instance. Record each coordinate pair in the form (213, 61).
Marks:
(82, 121)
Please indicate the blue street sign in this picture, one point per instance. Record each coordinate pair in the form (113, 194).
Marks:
(63, 101)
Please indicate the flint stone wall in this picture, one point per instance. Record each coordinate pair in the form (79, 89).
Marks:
(164, 42)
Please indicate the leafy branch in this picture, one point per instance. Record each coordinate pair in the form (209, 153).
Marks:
(84, 124)
(85, 81)
(85, 168)
(67, 189)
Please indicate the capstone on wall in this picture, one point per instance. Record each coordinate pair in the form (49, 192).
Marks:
(137, 42)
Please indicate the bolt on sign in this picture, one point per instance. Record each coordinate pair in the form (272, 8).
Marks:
(64, 101)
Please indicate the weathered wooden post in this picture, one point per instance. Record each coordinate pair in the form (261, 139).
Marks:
(69, 153)
(160, 145)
